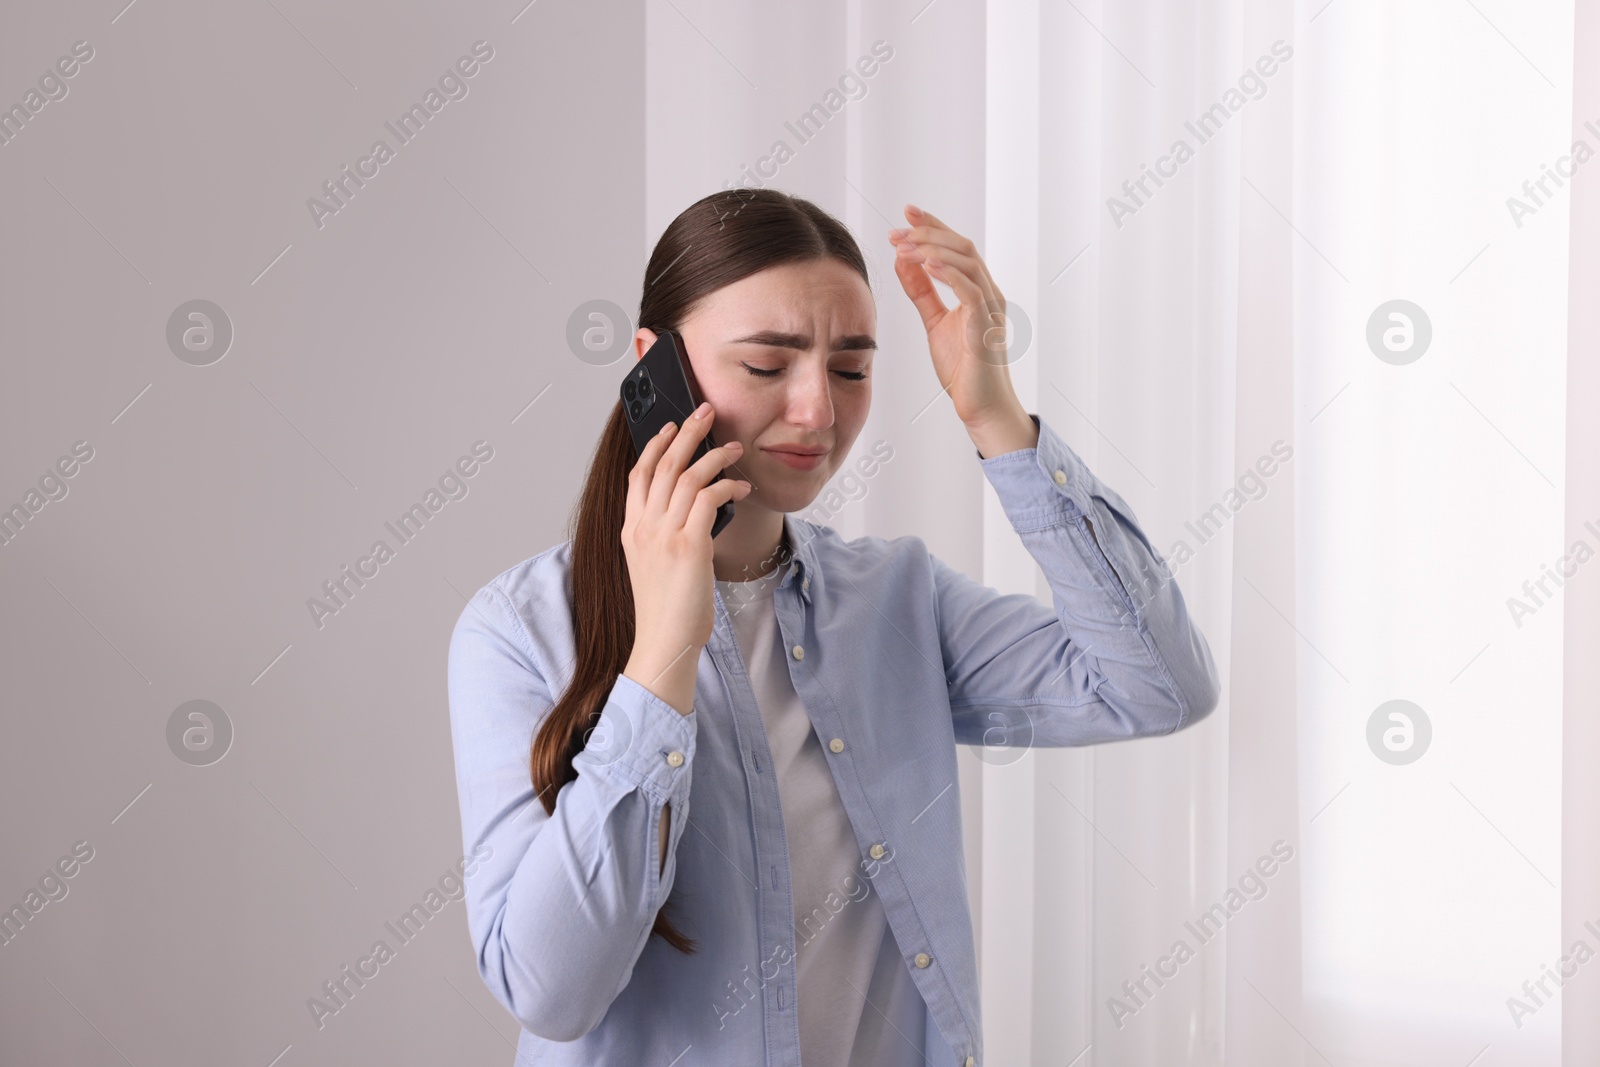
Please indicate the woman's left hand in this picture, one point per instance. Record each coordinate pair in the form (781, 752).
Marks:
(967, 342)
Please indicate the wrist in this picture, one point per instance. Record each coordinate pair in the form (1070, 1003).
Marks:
(670, 675)
(1010, 431)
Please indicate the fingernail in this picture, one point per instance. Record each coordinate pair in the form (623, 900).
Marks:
(668, 428)
(733, 446)
(703, 410)
(897, 234)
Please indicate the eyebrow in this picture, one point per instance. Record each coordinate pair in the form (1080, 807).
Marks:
(778, 339)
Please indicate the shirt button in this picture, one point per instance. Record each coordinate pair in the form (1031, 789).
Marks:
(675, 759)
(970, 1061)
(922, 959)
(1061, 479)
(876, 852)
(806, 585)
(799, 652)
(836, 744)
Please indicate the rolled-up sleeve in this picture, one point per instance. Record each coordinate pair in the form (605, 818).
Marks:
(560, 910)
(1116, 657)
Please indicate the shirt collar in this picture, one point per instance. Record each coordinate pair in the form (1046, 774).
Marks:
(803, 565)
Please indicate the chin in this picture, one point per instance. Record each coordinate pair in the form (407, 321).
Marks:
(785, 498)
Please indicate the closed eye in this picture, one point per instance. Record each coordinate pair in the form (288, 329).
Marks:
(849, 375)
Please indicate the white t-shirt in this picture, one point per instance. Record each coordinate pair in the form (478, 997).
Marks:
(857, 1003)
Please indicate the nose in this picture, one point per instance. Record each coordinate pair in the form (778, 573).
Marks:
(811, 398)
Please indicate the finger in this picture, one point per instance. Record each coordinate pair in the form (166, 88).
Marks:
(696, 478)
(967, 290)
(971, 266)
(708, 500)
(919, 217)
(679, 455)
(917, 285)
(987, 323)
(695, 426)
(920, 240)
(928, 228)
(639, 478)
(935, 235)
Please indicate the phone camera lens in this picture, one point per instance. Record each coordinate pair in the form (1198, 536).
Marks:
(644, 388)
(635, 409)
(630, 389)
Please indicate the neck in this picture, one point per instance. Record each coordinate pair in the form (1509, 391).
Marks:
(750, 546)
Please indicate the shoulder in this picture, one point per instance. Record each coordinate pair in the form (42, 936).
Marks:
(528, 606)
(536, 579)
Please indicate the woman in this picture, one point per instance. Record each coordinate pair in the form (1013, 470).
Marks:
(807, 894)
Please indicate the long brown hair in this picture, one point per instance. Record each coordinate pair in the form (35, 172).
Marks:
(716, 241)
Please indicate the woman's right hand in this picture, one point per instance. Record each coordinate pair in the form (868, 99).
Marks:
(666, 538)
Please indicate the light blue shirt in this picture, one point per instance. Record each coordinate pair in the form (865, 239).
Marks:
(897, 659)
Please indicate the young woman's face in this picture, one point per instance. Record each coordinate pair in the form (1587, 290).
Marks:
(808, 329)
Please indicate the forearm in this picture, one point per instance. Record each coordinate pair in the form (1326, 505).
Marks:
(1116, 598)
(560, 918)
(674, 684)
(561, 947)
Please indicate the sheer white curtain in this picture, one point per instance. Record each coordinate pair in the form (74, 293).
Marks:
(1580, 808)
(1353, 519)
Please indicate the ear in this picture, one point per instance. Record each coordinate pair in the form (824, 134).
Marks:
(642, 341)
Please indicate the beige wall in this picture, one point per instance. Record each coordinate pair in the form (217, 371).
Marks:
(210, 499)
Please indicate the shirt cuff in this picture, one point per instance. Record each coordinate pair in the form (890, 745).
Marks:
(643, 740)
(1042, 486)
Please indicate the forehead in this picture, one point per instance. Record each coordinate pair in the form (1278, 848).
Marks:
(794, 295)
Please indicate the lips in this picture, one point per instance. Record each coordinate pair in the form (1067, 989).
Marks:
(799, 459)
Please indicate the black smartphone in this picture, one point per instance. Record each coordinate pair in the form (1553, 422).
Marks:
(661, 388)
